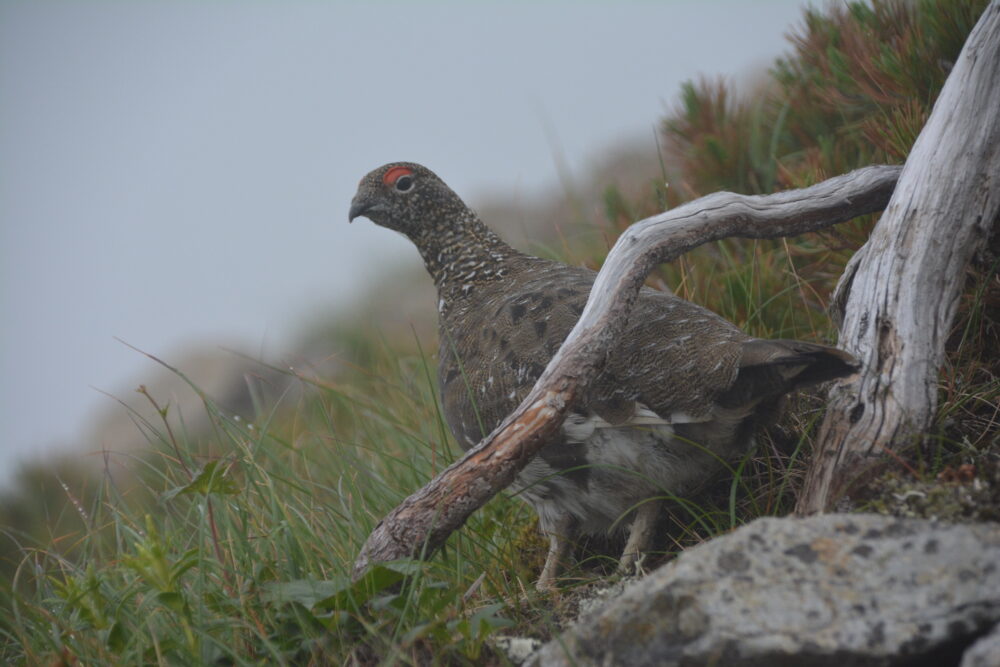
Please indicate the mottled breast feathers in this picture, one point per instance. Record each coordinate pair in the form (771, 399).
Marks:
(679, 356)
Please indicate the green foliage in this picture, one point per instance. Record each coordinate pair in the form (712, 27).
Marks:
(857, 89)
(210, 480)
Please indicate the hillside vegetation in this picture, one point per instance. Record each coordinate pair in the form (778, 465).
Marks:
(234, 546)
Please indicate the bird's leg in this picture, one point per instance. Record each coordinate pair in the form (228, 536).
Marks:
(561, 536)
(639, 538)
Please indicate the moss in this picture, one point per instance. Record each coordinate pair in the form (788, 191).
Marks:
(969, 493)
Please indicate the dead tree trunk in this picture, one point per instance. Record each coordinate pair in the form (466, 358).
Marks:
(899, 294)
(423, 521)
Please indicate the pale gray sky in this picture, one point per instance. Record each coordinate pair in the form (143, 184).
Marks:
(181, 171)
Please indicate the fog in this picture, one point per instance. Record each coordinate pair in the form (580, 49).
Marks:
(180, 172)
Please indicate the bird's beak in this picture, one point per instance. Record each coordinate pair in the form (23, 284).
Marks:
(364, 204)
(358, 208)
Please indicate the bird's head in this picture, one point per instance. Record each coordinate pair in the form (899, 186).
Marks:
(406, 197)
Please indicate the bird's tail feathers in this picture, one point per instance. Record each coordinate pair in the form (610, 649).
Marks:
(769, 368)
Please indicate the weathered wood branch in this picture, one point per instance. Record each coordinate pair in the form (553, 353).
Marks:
(900, 292)
(423, 521)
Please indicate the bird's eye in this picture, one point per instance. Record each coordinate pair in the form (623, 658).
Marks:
(404, 183)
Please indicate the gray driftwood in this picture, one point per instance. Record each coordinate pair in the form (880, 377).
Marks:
(423, 521)
(899, 294)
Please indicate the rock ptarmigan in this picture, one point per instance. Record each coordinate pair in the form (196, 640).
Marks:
(682, 390)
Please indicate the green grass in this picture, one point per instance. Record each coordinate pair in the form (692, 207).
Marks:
(245, 556)
(236, 546)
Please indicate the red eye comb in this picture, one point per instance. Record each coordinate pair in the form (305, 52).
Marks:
(394, 174)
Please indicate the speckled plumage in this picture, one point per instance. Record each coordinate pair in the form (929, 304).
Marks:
(682, 389)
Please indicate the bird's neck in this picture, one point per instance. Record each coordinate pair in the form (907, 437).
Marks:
(461, 257)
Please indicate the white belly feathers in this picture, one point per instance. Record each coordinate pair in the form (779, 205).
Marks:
(625, 464)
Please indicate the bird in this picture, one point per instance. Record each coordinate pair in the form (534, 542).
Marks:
(682, 390)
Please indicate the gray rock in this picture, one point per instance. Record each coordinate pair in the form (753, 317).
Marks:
(835, 590)
(985, 652)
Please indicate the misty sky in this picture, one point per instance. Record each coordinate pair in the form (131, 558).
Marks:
(179, 172)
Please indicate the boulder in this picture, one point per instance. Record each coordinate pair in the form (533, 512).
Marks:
(835, 590)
